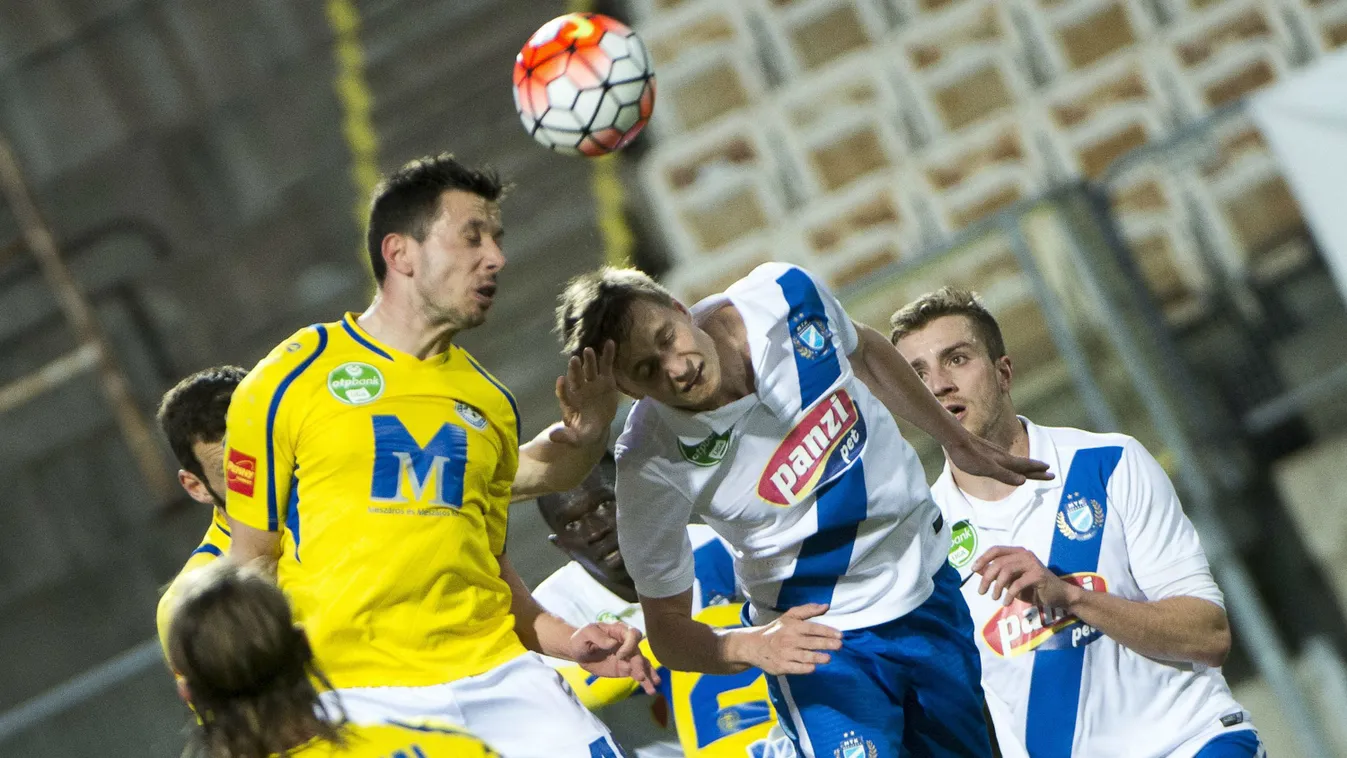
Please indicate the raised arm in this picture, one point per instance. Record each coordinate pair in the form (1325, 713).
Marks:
(882, 369)
(562, 455)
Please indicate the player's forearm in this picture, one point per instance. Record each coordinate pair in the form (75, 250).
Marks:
(1184, 629)
(549, 466)
(683, 644)
(891, 379)
(540, 631)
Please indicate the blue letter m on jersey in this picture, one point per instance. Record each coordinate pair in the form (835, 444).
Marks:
(398, 457)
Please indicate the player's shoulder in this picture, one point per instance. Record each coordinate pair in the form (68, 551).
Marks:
(288, 359)
(1069, 439)
(490, 393)
(642, 436)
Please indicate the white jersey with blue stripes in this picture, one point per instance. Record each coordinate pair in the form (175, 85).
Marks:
(808, 477)
(1110, 522)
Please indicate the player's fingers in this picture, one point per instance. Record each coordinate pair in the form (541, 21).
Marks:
(793, 667)
(630, 646)
(1030, 468)
(606, 358)
(1017, 588)
(562, 435)
(806, 611)
(590, 365)
(818, 632)
(645, 675)
(991, 554)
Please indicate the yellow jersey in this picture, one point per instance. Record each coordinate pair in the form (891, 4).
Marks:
(213, 545)
(397, 740)
(390, 477)
(721, 715)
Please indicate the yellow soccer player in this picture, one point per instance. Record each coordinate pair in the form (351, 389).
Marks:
(192, 417)
(715, 716)
(374, 460)
(247, 669)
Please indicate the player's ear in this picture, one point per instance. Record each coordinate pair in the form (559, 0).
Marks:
(1005, 371)
(194, 487)
(396, 253)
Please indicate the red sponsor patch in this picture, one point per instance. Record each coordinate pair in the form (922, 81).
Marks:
(240, 472)
(822, 445)
(1020, 627)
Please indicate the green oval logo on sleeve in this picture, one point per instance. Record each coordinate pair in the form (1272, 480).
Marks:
(963, 545)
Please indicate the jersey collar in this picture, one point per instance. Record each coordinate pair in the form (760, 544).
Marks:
(1002, 513)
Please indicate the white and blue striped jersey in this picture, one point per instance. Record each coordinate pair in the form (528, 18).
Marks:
(807, 478)
(1110, 522)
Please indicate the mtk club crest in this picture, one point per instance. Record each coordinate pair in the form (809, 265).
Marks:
(855, 746)
(1080, 518)
(810, 336)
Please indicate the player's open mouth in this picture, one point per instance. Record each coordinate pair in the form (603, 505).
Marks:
(613, 558)
(958, 409)
(697, 377)
(486, 293)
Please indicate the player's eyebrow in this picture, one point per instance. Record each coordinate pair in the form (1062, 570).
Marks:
(484, 226)
(960, 345)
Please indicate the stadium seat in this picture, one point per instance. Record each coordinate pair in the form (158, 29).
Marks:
(1155, 223)
(1241, 179)
(835, 229)
(976, 173)
(1231, 51)
(841, 123)
(961, 66)
(1108, 111)
(694, 280)
(808, 34)
(1072, 35)
(706, 63)
(716, 186)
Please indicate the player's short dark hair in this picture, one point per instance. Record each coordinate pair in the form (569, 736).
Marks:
(195, 411)
(407, 201)
(249, 668)
(949, 301)
(595, 307)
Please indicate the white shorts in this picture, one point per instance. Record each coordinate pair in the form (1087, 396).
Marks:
(521, 708)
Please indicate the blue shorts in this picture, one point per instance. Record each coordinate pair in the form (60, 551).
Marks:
(1241, 744)
(908, 687)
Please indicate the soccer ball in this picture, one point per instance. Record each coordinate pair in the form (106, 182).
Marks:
(583, 84)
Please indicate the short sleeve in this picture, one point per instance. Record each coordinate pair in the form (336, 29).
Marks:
(841, 324)
(652, 520)
(1163, 548)
(260, 436)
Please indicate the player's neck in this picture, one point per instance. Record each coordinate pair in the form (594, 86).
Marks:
(726, 327)
(402, 327)
(1008, 433)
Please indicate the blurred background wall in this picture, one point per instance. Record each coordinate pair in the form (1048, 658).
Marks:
(1090, 166)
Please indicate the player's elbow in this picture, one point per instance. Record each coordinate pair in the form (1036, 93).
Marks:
(1216, 641)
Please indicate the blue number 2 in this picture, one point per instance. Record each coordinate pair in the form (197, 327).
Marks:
(397, 456)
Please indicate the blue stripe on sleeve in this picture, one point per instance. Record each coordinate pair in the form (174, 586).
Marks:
(1054, 685)
(513, 405)
(363, 342)
(292, 514)
(273, 507)
(211, 549)
(816, 364)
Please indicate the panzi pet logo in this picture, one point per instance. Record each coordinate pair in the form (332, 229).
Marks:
(708, 452)
(1079, 518)
(1020, 627)
(821, 446)
(355, 383)
(240, 472)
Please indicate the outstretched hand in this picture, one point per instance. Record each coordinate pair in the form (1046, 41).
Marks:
(588, 397)
(982, 458)
(613, 650)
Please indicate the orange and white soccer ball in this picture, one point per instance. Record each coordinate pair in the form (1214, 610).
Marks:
(584, 85)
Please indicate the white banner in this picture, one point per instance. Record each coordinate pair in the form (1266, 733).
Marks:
(1305, 119)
